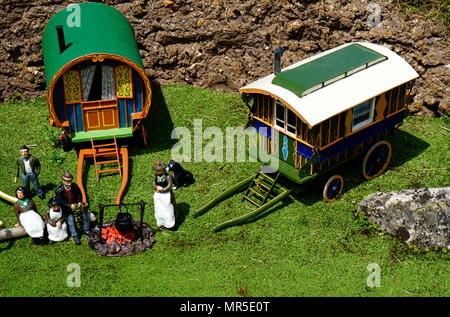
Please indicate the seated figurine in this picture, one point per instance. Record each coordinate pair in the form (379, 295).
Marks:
(28, 216)
(55, 221)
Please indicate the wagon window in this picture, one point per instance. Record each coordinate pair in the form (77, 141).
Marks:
(290, 124)
(279, 115)
(97, 82)
(363, 114)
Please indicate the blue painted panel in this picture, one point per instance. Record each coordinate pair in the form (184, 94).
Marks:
(262, 128)
(304, 150)
(122, 113)
(71, 117)
(130, 104)
(58, 100)
(79, 117)
(360, 137)
(137, 86)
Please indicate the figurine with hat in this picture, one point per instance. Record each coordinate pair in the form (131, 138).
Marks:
(69, 196)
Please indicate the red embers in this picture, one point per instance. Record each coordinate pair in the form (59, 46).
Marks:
(110, 234)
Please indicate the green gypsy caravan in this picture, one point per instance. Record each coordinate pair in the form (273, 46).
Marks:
(96, 82)
(97, 88)
(319, 113)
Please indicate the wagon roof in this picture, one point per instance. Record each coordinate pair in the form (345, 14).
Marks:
(324, 85)
(102, 30)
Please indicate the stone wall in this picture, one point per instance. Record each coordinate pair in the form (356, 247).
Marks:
(226, 44)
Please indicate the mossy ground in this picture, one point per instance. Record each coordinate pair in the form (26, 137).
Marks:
(303, 248)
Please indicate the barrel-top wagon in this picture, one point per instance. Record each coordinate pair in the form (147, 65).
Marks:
(317, 114)
(97, 89)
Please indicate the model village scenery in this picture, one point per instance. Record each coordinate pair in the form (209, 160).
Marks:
(311, 117)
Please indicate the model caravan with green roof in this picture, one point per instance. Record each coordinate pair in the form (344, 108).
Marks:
(96, 83)
(316, 115)
(97, 88)
(324, 110)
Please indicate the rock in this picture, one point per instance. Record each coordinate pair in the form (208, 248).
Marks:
(419, 217)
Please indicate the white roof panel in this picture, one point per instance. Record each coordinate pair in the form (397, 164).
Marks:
(343, 94)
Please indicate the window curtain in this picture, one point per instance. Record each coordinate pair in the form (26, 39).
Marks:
(108, 83)
(87, 76)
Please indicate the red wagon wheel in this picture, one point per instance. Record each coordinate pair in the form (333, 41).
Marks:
(376, 159)
(333, 188)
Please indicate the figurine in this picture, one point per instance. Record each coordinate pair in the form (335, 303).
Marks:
(181, 177)
(69, 195)
(163, 197)
(28, 216)
(29, 167)
(55, 221)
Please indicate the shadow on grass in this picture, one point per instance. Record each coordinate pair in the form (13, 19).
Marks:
(182, 212)
(278, 206)
(405, 147)
(158, 124)
(48, 189)
(9, 245)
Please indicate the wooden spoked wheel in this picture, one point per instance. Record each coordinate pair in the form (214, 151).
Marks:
(376, 159)
(333, 188)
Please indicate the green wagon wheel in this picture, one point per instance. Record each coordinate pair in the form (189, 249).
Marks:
(376, 159)
(333, 188)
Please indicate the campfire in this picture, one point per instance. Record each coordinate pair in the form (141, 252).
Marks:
(111, 234)
(116, 243)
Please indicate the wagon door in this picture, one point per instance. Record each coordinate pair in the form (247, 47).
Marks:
(99, 106)
(100, 115)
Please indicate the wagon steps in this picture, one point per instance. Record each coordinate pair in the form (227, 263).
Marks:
(108, 153)
(262, 193)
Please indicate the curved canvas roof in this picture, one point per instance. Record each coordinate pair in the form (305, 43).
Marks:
(346, 82)
(102, 32)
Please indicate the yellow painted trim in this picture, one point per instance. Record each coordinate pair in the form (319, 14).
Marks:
(98, 118)
(373, 122)
(264, 92)
(80, 94)
(97, 57)
(103, 117)
(381, 106)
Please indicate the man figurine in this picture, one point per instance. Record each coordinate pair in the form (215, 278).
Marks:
(29, 167)
(69, 194)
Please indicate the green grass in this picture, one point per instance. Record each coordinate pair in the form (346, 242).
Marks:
(305, 248)
(437, 11)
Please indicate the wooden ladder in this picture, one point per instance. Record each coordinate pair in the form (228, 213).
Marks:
(106, 154)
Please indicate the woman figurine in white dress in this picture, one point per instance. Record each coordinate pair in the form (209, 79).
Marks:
(28, 216)
(56, 222)
(163, 198)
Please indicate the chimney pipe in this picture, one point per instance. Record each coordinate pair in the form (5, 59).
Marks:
(61, 40)
(277, 59)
